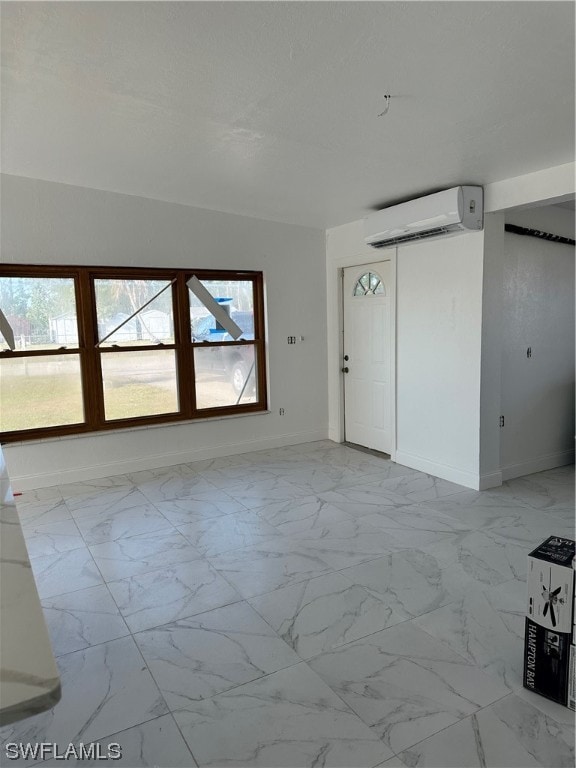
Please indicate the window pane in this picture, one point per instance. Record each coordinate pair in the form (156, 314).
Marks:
(139, 383)
(221, 372)
(118, 300)
(41, 311)
(42, 391)
(368, 284)
(237, 298)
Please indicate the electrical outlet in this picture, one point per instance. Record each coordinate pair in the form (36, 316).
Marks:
(281, 411)
(291, 339)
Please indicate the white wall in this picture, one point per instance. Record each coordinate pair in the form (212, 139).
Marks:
(48, 223)
(538, 312)
(437, 316)
(439, 319)
(547, 185)
(490, 378)
(472, 345)
(523, 201)
(345, 247)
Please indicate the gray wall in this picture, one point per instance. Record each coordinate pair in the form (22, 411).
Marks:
(537, 312)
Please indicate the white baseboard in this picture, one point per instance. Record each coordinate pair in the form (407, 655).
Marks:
(444, 471)
(334, 435)
(93, 472)
(538, 464)
(490, 480)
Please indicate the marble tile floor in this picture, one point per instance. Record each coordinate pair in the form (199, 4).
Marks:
(304, 606)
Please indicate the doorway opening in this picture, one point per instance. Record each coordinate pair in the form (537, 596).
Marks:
(537, 368)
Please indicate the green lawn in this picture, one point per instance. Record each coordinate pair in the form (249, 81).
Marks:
(139, 400)
(44, 401)
(39, 401)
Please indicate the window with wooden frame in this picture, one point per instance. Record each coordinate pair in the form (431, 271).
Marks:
(100, 348)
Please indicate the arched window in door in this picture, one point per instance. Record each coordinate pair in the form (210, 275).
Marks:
(369, 284)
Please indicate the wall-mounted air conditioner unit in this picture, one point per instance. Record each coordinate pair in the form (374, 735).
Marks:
(459, 209)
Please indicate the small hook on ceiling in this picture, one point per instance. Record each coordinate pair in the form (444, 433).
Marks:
(387, 98)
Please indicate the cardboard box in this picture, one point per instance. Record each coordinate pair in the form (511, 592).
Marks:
(549, 653)
(574, 609)
(546, 661)
(551, 584)
(572, 679)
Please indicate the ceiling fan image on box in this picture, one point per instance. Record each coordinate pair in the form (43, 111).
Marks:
(551, 598)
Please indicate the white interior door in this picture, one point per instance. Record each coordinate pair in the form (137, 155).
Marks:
(367, 349)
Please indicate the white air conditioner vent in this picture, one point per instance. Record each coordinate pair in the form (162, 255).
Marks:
(459, 209)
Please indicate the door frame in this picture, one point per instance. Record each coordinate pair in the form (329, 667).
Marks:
(336, 345)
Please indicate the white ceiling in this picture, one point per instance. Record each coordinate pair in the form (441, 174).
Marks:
(270, 109)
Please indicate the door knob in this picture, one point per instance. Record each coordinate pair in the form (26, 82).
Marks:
(345, 370)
